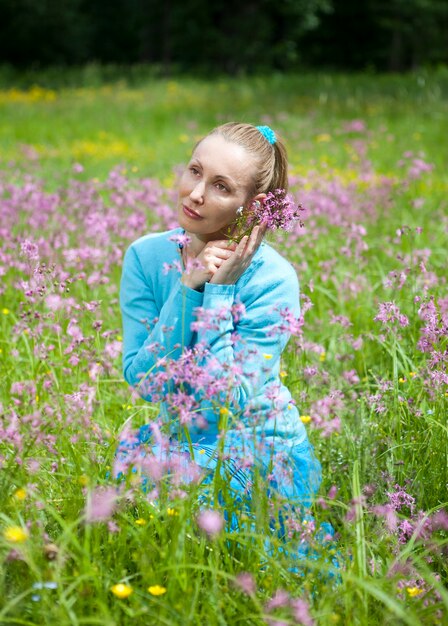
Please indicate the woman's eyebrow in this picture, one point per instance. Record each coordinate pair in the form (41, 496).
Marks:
(223, 176)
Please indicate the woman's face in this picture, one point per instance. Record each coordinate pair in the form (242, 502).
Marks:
(217, 180)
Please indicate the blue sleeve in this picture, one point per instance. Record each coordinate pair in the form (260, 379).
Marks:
(147, 333)
(252, 346)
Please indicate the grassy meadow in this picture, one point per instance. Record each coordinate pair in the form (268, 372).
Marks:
(89, 164)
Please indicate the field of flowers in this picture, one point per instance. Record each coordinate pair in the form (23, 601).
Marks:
(85, 171)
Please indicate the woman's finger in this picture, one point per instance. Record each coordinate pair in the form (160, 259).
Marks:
(262, 228)
(254, 241)
(226, 244)
(221, 253)
(261, 231)
(241, 247)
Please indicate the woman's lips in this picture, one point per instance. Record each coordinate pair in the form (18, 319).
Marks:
(190, 213)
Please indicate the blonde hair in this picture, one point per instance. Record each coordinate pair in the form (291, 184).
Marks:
(271, 159)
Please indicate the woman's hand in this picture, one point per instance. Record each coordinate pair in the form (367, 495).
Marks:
(230, 270)
(208, 262)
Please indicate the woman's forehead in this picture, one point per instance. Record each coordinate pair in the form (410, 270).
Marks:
(221, 157)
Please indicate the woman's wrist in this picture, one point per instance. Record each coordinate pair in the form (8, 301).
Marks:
(222, 282)
(187, 282)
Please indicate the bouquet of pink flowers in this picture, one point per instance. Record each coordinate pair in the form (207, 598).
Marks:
(277, 211)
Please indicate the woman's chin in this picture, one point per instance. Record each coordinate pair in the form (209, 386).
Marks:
(183, 221)
(201, 230)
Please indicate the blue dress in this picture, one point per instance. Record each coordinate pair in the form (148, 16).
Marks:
(239, 332)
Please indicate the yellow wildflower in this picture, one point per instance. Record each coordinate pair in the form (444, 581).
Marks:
(5, 311)
(402, 380)
(412, 374)
(322, 356)
(140, 521)
(121, 590)
(157, 590)
(414, 591)
(224, 411)
(15, 534)
(283, 374)
(20, 494)
(306, 419)
(172, 512)
(83, 480)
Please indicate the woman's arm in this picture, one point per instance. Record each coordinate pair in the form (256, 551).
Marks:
(249, 349)
(149, 334)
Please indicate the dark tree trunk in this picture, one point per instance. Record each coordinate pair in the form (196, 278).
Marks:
(396, 51)
(166, 38)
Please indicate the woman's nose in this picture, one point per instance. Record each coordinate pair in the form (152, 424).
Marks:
(197, 193)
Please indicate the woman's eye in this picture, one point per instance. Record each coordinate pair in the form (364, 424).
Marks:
(194, 171)
(221, 187)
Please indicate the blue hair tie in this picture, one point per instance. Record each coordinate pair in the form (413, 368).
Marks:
(267, 133)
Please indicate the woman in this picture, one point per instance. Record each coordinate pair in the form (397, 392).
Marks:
(251, 291)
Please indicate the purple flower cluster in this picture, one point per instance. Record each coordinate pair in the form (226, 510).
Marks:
(405, 522)
(277, 211)
(389, 313)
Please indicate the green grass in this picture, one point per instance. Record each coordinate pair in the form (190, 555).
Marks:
(153, 126)
(57, 447)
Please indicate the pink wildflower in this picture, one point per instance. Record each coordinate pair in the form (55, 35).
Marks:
(278, 600)
(390, 517)
(30, 250)
(246, 583)
(355, 126)
(211, 522)
(301, 612)
(389, 313)
(101, 504)
(182, 239)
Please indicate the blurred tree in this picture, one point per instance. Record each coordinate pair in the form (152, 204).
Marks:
(47, 31)
(229, 35)
(345, 38)
(226, 35)
(391, 35)
(413, 32)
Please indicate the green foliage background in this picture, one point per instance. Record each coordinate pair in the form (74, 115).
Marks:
(226, 36)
